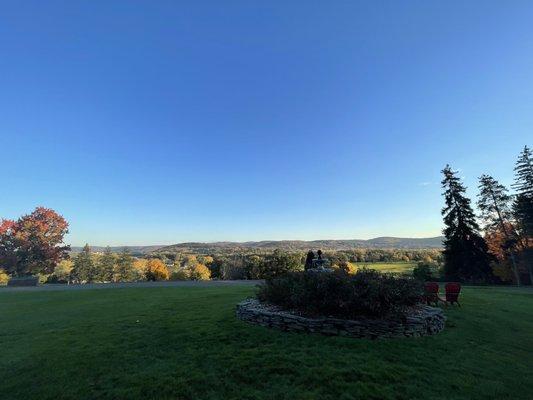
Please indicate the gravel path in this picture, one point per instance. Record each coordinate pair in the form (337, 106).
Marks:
(52, 287)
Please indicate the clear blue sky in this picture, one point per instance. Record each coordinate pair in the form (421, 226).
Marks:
(152, 122)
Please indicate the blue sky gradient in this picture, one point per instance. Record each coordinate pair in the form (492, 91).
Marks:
(161, 122)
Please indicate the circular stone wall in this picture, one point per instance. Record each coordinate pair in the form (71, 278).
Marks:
(423, 320)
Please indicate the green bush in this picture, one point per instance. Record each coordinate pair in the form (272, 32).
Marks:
(366, 293)
(281, 262)
(230, 271)
(424, 272)
(179, 275)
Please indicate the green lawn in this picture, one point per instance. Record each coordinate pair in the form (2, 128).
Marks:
(185, 343)
(396, 267)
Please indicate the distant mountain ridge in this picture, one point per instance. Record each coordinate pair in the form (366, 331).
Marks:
(385, 242)
(135, 250)
(333, 244)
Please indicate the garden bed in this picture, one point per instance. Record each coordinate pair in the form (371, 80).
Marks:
(417, 321)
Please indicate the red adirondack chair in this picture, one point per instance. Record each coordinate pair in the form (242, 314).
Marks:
(431, 293)
(452, 292)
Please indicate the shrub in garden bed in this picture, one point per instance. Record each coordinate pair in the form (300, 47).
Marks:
(367, 293)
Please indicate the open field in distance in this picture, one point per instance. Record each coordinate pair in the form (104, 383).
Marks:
(394, 267)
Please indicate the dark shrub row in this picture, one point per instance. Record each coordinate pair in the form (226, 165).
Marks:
(366, 293)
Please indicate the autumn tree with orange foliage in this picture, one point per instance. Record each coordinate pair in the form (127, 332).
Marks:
(34, 243)
(502, 266)
(156, 270)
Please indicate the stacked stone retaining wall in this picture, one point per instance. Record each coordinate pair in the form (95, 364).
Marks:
(421, 321)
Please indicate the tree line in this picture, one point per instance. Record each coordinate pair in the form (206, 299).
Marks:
(89, 267)
(497, 246)
(262, 264)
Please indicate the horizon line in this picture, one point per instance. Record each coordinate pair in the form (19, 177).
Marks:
(253, 241)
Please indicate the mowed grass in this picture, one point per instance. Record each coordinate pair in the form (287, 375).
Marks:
(394, 267)
(185, 343)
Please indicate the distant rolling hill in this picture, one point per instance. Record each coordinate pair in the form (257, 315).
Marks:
(302, 245)
(290, 245)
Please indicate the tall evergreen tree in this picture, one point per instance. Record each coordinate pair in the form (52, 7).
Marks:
(106, 266)
(465, 252)
(124, 269)
(494, 202)
(83, 270)
(523, 205)
(524, 173)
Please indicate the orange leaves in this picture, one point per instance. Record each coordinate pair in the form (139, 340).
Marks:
(6, 226)
(43, 223)
(156, 270)
(34, 243)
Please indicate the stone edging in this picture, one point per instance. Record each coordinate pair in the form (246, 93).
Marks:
(423, 321)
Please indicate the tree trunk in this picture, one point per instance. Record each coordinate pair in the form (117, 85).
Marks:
(504, 228)
(528, 253)
(515, 268)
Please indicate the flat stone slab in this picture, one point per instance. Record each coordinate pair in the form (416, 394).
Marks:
(420, 321)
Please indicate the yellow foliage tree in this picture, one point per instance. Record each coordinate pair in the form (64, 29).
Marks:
(140, 266)
(199, 272)
(351, 268)
(62, 271)
(190, 261)
(3, 277)
(156, 270)
(345, 266)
